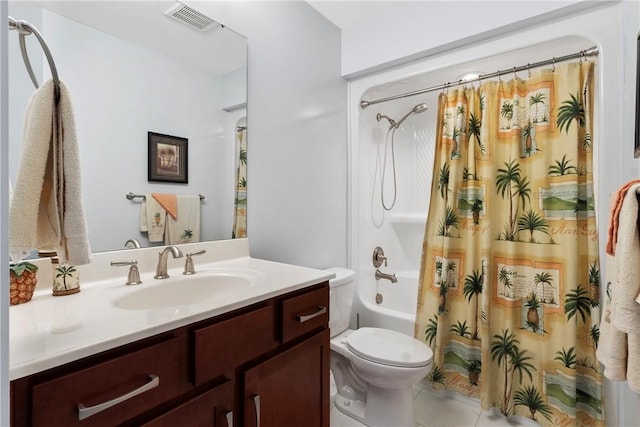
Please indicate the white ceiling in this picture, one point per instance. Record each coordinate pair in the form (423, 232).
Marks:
(144, 23)
(345, 14)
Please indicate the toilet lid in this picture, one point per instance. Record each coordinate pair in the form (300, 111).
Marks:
(389, 348)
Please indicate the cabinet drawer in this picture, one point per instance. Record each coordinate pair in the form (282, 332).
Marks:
(304, 313)
(212, 408)
(154, 378)
(219, 348)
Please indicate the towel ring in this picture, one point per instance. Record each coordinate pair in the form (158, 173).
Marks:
(24, 29)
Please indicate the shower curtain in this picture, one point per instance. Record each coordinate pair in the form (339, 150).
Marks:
(240, 204)
(510, 282)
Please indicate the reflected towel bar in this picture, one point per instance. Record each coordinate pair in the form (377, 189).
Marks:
(132, 196)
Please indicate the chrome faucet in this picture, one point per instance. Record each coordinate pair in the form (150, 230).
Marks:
(381, 275)
(161, 269)
(132, 244)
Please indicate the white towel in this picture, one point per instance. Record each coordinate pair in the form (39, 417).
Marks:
(154, 219)
(46, 207)
(186, 227)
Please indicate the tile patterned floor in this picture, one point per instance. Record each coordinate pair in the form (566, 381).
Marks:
(439, 410)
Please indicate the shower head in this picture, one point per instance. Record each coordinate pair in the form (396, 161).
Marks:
(420, 108)
(393, 124)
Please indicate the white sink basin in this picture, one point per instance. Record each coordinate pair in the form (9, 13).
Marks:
(183, 290)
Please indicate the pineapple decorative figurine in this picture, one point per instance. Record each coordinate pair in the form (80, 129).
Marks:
(23, 281)
(66, 280)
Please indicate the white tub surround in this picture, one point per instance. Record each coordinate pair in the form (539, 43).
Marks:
(49, 331)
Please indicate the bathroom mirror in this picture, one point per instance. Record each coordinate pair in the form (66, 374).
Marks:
(131, 69)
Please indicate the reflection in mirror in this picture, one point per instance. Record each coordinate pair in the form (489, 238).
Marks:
(133, 70)
(240, 211)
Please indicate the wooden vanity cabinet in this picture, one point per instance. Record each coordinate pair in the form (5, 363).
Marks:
(204, 374)
(291, 388)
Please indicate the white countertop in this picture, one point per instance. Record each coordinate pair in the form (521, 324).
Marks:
(49, 331)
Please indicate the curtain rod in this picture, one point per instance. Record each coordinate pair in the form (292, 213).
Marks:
(592, 51)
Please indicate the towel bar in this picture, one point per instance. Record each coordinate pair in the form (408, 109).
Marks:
(132, 196)
(24, 28)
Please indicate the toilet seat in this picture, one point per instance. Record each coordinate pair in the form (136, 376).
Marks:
(389, 348)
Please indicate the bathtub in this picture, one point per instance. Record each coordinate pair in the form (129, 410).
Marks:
(397, 308)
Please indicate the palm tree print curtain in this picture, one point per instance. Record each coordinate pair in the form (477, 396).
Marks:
(509, 284)
(240, 204)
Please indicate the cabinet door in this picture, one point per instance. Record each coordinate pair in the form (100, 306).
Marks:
(210, 409)
(291, 388)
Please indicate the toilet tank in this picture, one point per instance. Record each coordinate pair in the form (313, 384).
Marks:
(340, 299)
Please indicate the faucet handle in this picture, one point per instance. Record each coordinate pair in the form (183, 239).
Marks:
(378, 257)
(188, 263)
(134, 274)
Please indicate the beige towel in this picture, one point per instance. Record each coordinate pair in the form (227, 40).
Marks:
(625, 311)
(186, 228)
(142, 219)
(46, 207)
(620, 325)
(154, 219)
(612, 348)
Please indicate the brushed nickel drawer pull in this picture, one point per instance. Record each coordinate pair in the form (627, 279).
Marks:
(256, 403)
(84, 412)
(229, 416)
(321, 310)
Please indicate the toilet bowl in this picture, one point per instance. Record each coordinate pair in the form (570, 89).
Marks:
(374, 369)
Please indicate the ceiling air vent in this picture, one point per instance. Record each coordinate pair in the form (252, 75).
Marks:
(191, 17)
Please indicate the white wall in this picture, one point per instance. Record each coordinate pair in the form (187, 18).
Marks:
(417, 29)
(296, 133)
(120, 92)
(613, 29)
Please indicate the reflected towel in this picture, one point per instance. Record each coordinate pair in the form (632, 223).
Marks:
(155, 219)
(169, 202)
(142, 219)
(186, 228)
(46, 208)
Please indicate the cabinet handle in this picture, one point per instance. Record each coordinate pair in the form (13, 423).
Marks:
(84, 412)
(229, 416)
(321, 310)
(256, 404)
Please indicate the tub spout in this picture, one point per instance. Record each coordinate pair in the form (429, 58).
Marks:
(390, 277)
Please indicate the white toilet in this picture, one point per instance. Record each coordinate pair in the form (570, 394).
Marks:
(374, 369)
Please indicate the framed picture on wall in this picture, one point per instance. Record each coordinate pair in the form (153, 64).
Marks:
(167, 158)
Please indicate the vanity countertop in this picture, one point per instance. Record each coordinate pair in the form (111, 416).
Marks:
(50, 331)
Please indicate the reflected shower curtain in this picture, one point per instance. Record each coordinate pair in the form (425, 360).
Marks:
(509, 283)
(240, 204)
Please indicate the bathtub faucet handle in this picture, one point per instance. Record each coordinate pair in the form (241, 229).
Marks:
(378, 257)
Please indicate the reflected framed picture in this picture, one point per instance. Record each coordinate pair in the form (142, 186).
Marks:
(167, 158)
